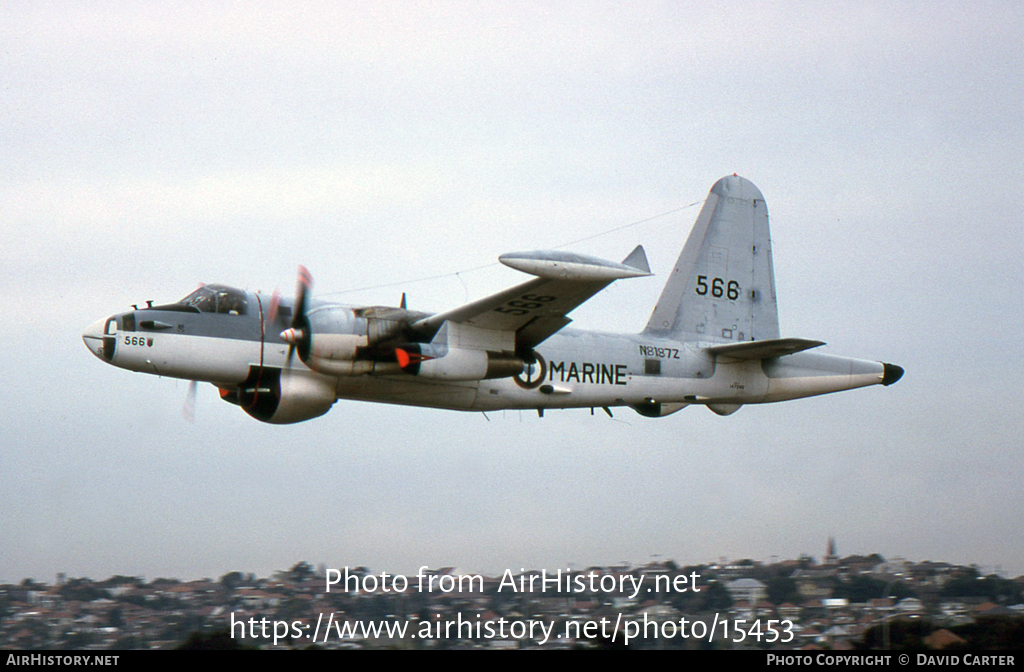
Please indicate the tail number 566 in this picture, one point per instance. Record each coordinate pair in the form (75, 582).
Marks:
(718, 288)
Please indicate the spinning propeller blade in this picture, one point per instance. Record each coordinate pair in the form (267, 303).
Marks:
(188, 410)
(297, 336)
(275, 303)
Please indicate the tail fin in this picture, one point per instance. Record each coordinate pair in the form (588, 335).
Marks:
(723, 285)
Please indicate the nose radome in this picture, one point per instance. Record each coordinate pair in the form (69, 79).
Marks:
(93, 337)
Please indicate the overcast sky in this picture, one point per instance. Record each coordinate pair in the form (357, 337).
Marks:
(147, 147)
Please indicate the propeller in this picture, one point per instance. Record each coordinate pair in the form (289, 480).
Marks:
(275, 303)
(188, 410)
(298, 336)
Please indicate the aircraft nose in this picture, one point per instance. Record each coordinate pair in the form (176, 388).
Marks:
(93, 337)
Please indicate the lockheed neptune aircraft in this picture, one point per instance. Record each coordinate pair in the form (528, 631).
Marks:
(713, 338)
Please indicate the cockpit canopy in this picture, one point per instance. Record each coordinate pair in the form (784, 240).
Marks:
(217, 299)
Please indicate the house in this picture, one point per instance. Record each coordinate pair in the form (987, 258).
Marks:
(747, 590)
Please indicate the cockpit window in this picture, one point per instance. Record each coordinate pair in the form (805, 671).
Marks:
(217, 299)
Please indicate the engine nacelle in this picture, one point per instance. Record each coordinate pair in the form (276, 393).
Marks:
(334, 336)
(335, 354)
(281, 397)
(346, 342)
(434, 361)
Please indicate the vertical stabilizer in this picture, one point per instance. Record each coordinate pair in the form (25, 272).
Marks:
(723, 285)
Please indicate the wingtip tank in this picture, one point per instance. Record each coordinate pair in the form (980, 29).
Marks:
(556, 265)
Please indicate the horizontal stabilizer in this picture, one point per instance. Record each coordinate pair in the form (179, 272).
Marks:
(776, 347)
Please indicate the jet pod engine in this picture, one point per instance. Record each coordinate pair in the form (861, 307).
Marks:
(282, 396)
(437, 361)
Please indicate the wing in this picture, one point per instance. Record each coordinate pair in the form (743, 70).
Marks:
(536, 309)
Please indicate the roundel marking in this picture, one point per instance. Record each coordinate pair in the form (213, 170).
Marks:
(533, 374)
